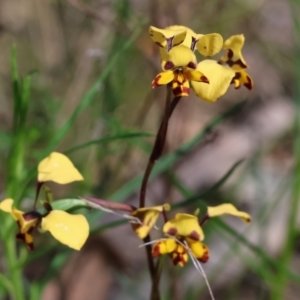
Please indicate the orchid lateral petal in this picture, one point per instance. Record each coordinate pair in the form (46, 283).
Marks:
(227, 209)
(163, 78)
(6, 205)
(70, 230)
(234, 57)
(193, 75)
(219, 78)
(210, 44)
(184, 225)
(58, 168)
(200, 250)
(164, 247)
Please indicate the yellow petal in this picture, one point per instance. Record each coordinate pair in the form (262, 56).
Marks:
(167, 38)
(234, 57)
(180, 56)
(6, 205)
(58, 168)
(242, 78)
(184, 225)
(148, 217)
(227, 209)
(200, 250)
(219, 78)
(164, 247)
(163, 78)
(210, 44)
(70, 230)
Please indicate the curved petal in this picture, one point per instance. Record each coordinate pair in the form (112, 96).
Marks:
(181, 56)
(70, 230)
(148, 217)
(6, 205)
(167, 38)
(184, 225)
(200, 250)
(163, 78)
(219, 78)
(164, 247)
(58, 168)
(227, 209)
(234, 57)
(210, 44)
(242, 78)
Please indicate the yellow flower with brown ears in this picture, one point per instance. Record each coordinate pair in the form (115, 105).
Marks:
(147, 217)
(187, 235)
(179, 68)
(58, 168)
(70, 230)
(235, 60)
(184, 235)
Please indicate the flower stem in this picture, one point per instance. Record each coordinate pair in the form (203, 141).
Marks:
(154, 156)
(159, 142)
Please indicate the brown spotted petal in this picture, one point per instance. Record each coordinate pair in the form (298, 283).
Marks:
(184, 225)
(180, 256)
(199, 250)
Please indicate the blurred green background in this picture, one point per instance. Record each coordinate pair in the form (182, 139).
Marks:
(88, 66)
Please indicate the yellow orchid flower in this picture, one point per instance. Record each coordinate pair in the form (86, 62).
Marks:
(227, 209)
(179, 69)
(167, 38)
(219, 78)
(148, 217)
(70, 230)
(234, 57)
(236, 61)
(186, 240)
(58, 168)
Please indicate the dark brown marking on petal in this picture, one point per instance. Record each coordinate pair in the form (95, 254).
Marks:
(31, 215)
(172, 231)
(205, 256)
(204, 79)
(191, 65)
(159, 44)
(229, 54)
(194, 43)
(181, 91)
(179, 258)
(239, 62)
(169, 65)
(155, 250)
(22, 237)
(194, 235)
(170, 43)
(155, 81)
(249, 86)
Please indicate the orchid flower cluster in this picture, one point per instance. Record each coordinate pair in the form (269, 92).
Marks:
(209, 78)
(182, 236)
